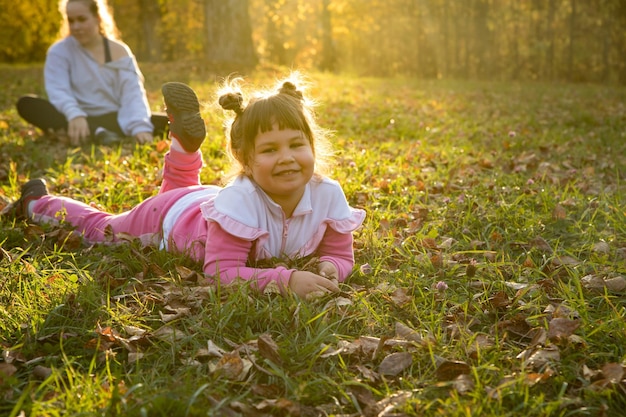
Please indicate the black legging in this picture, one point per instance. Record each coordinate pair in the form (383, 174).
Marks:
(42, 114)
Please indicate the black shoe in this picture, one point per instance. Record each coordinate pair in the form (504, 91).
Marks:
(32, 190)
(183, 111)
(106, 137)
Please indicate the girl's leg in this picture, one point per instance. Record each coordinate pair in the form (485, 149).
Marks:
(41, 113)
(144, 221)
(181, 169)
(187, 131)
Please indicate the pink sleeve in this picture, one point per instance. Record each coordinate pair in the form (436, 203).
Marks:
(336, 247)
(225, 259)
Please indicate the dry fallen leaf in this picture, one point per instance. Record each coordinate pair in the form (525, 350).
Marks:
(400, 297)
(450, 370)
(463, 384)
(406, 333)
(598, 283)
(6, 370)
(537, 358)
(601, 247)
(395, 363)
(613, 372)
(561, 328)
(268, 348)
(559, 212)
(232, 367)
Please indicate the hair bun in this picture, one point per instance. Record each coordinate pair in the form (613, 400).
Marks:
(232, 101)
(289, 88)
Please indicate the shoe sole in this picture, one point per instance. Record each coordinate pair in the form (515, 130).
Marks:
(32, 190)
(182, 101)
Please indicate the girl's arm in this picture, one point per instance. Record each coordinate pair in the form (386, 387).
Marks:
(226, 256)
(337, 248)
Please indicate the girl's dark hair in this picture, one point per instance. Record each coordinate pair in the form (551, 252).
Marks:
(285, 107)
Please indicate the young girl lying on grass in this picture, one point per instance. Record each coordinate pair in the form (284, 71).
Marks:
(277, 207)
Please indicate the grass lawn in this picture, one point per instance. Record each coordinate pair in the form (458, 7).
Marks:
(490, 277)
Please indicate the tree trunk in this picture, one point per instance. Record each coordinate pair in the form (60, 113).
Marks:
(228, 42)
(572, 36)
(550, 50)
(149, 20)
(329, 55)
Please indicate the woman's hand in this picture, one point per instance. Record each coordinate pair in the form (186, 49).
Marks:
(309, 285)
(144, 137)
(78, 130)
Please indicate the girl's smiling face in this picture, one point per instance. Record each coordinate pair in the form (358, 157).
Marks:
(84, 26)
(282, 164)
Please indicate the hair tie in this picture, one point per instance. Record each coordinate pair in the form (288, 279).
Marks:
(289, 88)
(232, 101)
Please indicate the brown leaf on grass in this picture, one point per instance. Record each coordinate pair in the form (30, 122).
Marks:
(41, 372)
(611, 375)
(539, 336)
(517, 326)
(395, 363)
(533, 378)
(463, 384)
(560, 261)
(68, 239)
(6, 370)
(601, 247)
(481, 343)
(613, 372)
(560, 329)
(400, 297)
(388, 405)
(279, 407)
(528, 263)
(368, 374)
(540, 243)
(537, 357)
(405, 332)
(450, 370)
(499, 300)
(561, 311)
(437, 260)
(268, 348)
(232, 367)
(162, 146)
(559, 212)
(599, 284)
(169, 334)
(187, 274)
(429, 243)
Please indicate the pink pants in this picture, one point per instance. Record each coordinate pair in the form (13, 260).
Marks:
(180, 177)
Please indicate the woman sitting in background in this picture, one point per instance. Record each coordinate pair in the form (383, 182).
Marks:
(94, 86)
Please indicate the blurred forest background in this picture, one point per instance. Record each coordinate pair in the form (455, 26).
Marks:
(568, 40)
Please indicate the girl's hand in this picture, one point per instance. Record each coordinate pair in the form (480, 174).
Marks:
(78, 130)
(309, 285)
(328, 270)
(144, 137)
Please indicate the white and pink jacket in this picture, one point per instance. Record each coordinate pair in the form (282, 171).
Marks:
(225, 228)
